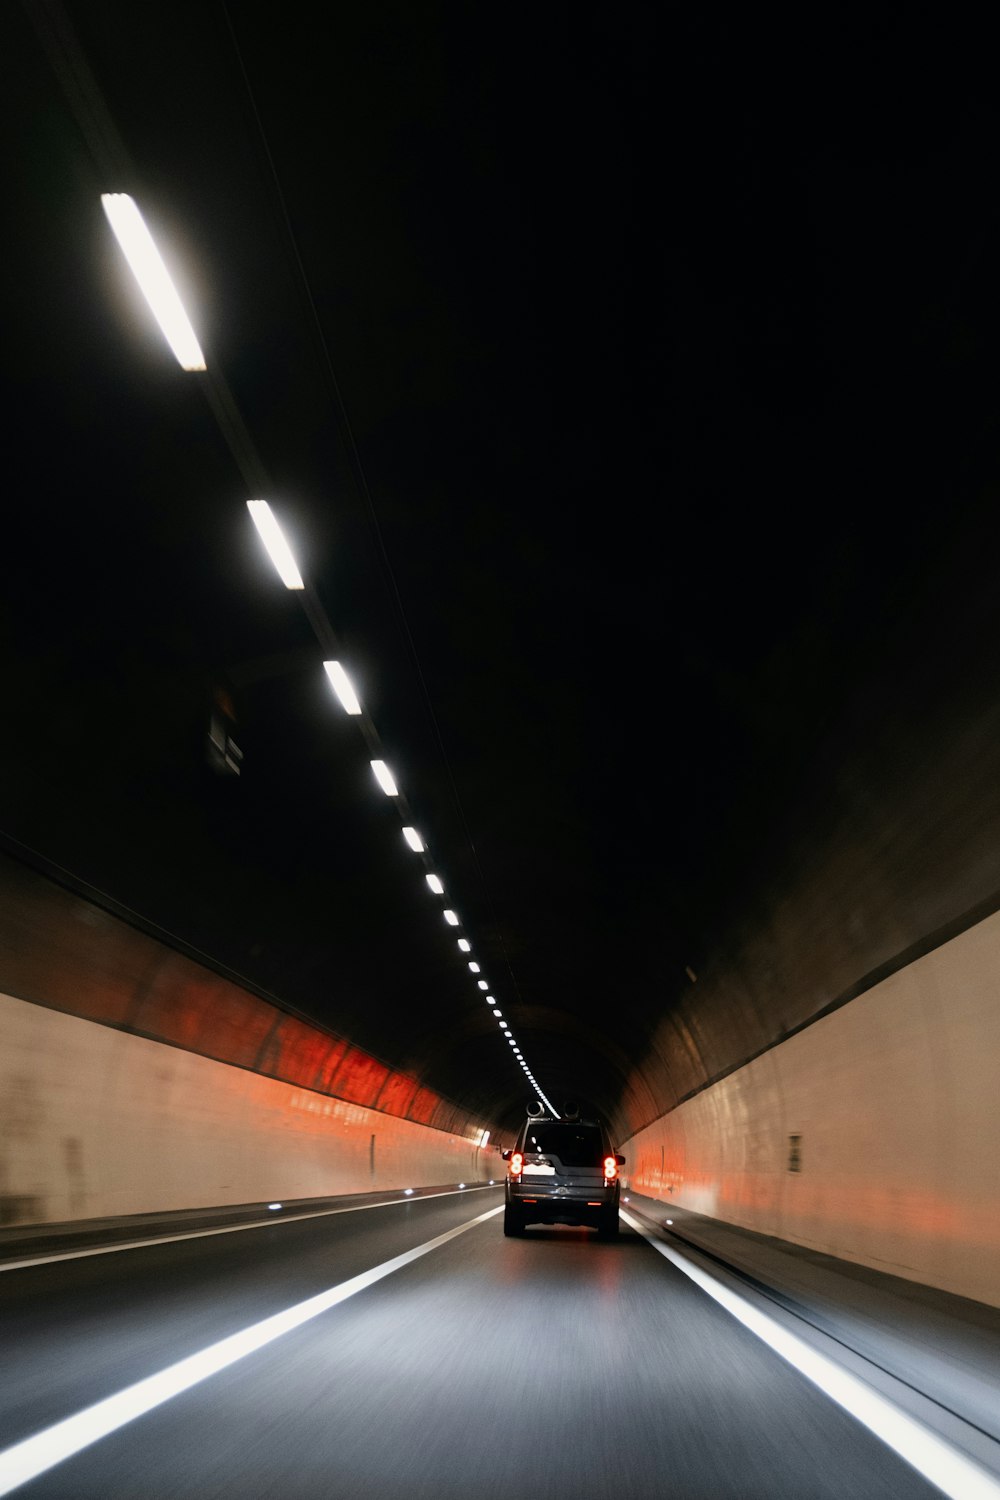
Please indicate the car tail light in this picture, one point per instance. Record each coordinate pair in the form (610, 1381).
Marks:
(516, 1163)
(610, 1169)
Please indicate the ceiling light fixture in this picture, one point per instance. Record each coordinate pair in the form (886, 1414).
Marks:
(147, 267)
(384, 778)
(342, 686)
(275, 543)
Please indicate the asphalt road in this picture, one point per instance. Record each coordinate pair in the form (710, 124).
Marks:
(553, 1366)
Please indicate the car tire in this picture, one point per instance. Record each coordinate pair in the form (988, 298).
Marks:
(513, 1222)
(607, 1229)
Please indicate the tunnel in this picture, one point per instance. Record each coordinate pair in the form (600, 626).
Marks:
(529, 639)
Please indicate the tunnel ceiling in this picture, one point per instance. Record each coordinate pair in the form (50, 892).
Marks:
(664, 346)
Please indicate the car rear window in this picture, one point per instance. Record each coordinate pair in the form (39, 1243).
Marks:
(575, 1145)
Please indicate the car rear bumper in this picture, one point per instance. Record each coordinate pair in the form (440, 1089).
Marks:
(562, 1205)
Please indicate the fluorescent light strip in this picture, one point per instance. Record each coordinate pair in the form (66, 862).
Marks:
(24, 1461)
(474, 968)
(384, 778)
(414, 840)
(451, 919)
(933, 1457)
(274, 541)
(343, 687)
(153, 277)
(434, 881)
(465, 945)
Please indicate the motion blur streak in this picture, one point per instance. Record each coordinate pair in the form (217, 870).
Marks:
(203, 1234)
(935, 1459)
(34, 1456)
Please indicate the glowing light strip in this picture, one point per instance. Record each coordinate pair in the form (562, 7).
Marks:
(343, 687)
(36, 1455)
(276, 543)
(939, 1463)
(384, 777)
(147, 267)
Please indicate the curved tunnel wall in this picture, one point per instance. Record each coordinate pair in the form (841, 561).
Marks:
(133, 1079)
(892, 849)
(870, 1134)
(850, 1000)
(96, 1122)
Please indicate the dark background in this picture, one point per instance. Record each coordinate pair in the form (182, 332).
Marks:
(667, 347)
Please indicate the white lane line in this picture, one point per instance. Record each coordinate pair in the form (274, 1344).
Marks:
(939, 1463)
(200, 1234)
(35, 1455)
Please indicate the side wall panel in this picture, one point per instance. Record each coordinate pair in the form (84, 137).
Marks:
(61, 950)
(893, 1102)
(97, 1122)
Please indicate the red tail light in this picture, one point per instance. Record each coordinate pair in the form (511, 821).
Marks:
(610, 1169)
(516, 1163)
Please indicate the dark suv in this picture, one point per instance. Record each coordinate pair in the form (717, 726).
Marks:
(562, 1171)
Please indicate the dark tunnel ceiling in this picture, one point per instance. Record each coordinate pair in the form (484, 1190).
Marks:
(668, 348)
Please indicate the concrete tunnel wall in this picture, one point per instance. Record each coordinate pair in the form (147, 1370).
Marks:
(850, 996)
(96, 1123)
(134, 1080)
(856, 1008)
(889, 849)
(872, 1134)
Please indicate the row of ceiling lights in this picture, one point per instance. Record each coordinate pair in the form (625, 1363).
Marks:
(281, 555)
(157, 287)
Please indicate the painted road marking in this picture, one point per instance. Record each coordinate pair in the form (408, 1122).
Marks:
(35, 1455)
(937, 1460)
(200, 1234)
